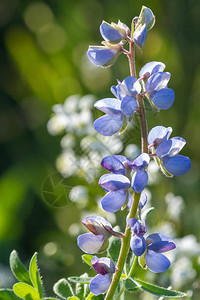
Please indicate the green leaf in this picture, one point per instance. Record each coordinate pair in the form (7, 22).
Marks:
(35, 275)
(157, 290)
(73, 298)
(25, 291)
(130, 285)
(114, 248)
(77, 279)
(63, 289)
(6, 294)
(18, 269)
(87, 259)
(82, 289)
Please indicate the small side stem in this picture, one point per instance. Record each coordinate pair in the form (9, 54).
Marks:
(143, 123)
(132, 267)
(131, 57)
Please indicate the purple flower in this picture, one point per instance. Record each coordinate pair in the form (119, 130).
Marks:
(105, 268)
(144, 22)
(140, 176)
(137, 243)
(103, 56)
(140, 35)
(167, 151)
(114, 33)
(116, 183)
(119, 108)
(150, 249)
(91, 243)
(153, 258)
(97, 240)
(159, 95)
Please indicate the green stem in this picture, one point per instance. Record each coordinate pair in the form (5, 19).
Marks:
(132, 267)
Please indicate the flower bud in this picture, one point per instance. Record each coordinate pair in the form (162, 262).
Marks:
(113, 33)
(97, 225)
(103, 265)
(103, 56)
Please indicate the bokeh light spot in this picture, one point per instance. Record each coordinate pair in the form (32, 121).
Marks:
(51, 38)
(37, 15)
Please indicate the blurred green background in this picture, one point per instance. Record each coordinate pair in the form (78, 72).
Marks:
(42, 62)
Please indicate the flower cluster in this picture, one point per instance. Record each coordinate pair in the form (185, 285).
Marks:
(153, 84)
(115, 35)
(167, 151)
(125, 183)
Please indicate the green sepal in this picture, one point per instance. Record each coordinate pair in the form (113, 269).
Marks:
(130, 285)
(63, 289)
(146, 213)
(76, 279)
(124, 126)
(7, 294)
(25, 291)
(87, 259)
(141, 260)
(164, 171)
(18, 269)
(104, 246)
(35, 275)
(114, 248)
(157, 290)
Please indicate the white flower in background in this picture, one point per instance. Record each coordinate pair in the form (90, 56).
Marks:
(175, 206)
(132, 151)
(66, 163)
(182, 272)
(153, 169)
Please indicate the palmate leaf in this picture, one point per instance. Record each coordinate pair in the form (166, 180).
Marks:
(82, 290)
(130, 285)
(35, 275)
(18, 269)
(76, 279)
(157, 290)
(25, 291)
(63, 289)
(7, 294)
